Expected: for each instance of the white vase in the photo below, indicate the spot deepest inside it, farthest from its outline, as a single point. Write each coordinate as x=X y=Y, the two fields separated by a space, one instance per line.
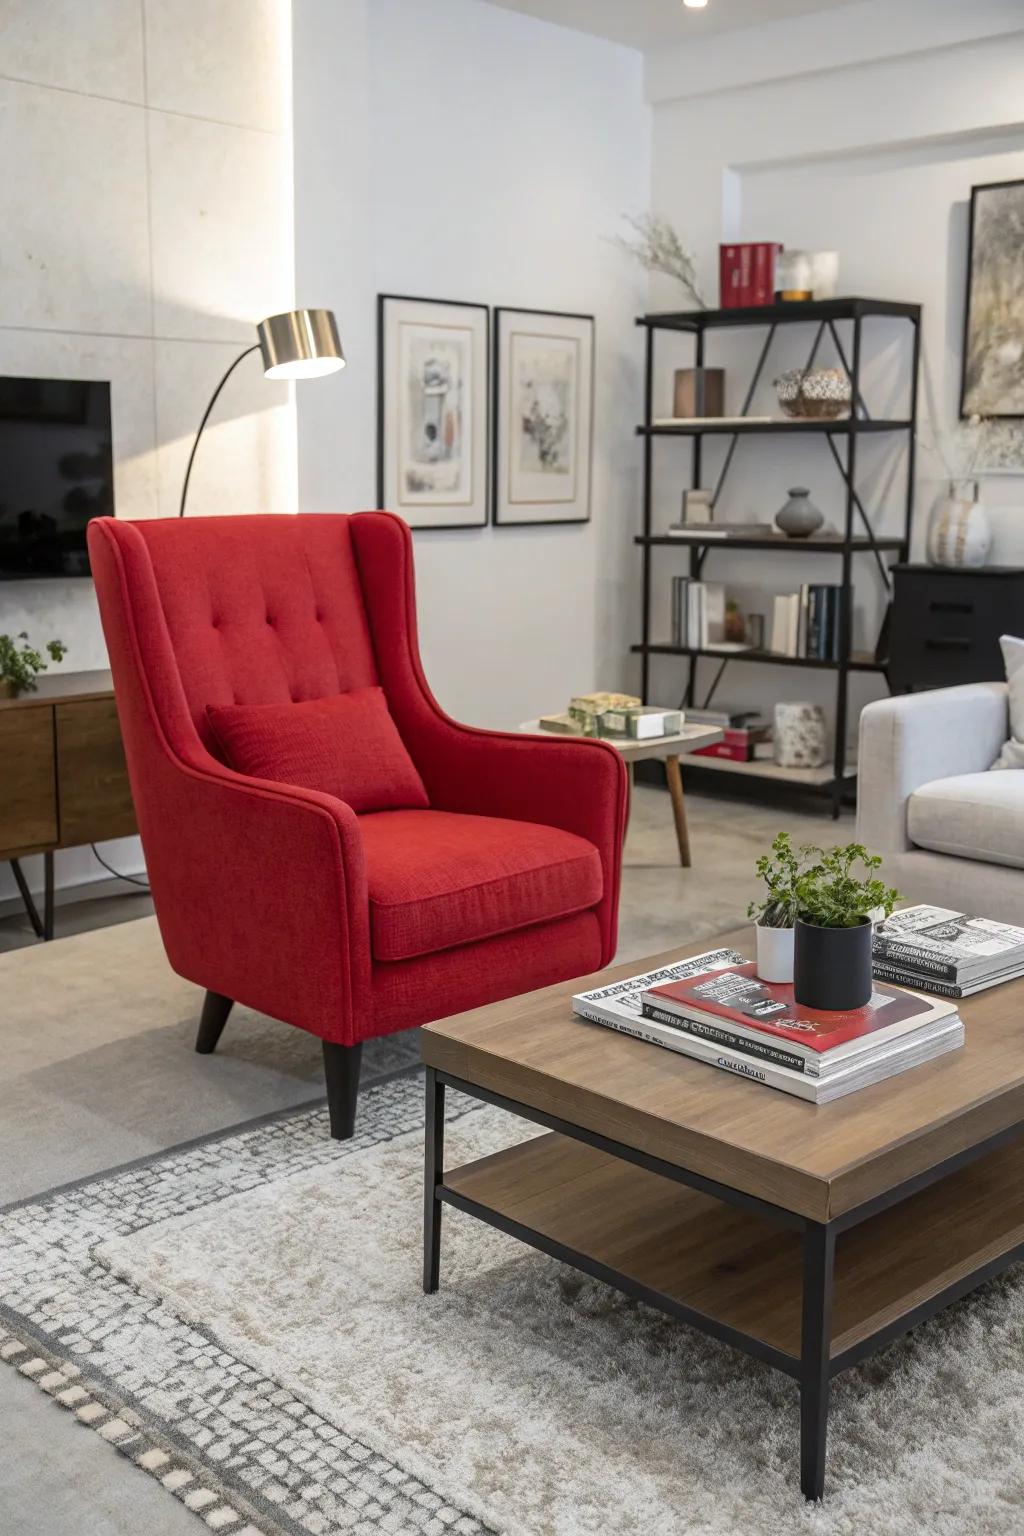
x=774 y=953
x=959 y=532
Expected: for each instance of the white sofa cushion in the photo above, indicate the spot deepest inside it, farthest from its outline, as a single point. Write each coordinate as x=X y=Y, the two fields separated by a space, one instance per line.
x=1012 y=755
x=972 y=815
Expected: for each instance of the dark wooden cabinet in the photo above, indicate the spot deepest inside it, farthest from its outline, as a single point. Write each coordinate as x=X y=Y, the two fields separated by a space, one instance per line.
x=945 y=624
x=63 y=778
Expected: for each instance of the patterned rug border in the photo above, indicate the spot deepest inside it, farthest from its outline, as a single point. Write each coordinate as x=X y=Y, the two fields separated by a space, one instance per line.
x=121 y=1422
x=237 y=1128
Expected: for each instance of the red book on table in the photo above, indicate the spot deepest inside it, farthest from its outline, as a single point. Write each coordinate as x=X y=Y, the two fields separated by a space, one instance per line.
x=738 y=1001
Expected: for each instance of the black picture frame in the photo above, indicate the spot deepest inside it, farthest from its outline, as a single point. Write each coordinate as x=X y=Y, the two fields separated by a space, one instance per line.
x=383 y=299
x=496 y=423
x=967 y=408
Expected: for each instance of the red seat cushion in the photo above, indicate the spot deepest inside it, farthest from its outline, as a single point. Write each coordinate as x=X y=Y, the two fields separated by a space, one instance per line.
x=437 y=879
x=346 y=745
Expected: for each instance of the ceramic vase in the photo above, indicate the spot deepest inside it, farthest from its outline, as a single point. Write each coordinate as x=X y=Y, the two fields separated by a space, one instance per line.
x=832 y=966
x=799 y=517
x=774 y=953
x=959 y=532
x=800 y=738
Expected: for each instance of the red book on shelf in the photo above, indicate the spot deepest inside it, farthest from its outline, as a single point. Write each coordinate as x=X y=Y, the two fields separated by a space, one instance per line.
x=728 y=276
x=736 y=752
x=737 y=999
x=746 y=275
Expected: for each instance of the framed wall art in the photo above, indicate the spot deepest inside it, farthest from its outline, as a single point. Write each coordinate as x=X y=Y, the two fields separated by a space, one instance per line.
x=993 y=362
x=432 y=411
x=543 y=416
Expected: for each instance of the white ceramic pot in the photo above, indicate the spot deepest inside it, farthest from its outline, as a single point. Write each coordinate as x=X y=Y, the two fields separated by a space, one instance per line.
x=959 y=532
x=774 y=953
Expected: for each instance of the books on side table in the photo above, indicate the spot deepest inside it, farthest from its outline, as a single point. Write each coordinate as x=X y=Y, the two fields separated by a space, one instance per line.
x=716 y=1009
x=946 y=952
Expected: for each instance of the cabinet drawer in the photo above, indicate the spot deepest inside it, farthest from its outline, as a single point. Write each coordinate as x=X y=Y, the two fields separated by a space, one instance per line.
x=946 y=626
x=28 y=793
x=95 y=798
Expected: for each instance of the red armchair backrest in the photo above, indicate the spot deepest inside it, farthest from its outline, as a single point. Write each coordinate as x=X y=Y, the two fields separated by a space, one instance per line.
x=257 y=610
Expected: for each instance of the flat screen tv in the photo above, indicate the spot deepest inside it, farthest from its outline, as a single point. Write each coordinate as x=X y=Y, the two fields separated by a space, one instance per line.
x=56 y=471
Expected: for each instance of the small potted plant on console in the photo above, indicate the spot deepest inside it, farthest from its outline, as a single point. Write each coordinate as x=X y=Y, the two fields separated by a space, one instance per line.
x=839 y=898
x=20 y=665
x=775 y=915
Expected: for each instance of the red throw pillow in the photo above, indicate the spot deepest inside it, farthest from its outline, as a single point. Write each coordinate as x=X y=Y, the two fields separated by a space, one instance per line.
x=346 y=745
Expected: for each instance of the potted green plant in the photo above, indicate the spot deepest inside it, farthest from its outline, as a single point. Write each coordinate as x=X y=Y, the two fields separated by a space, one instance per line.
x=776 y=913
x=839 y=898
x=20 y=665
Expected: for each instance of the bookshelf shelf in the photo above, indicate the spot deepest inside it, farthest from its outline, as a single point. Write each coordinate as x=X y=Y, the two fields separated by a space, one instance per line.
x=814 y=779
x=792 y=313
x=732 y=428
x=857 y=661
x=832 y=544
x=841 y=439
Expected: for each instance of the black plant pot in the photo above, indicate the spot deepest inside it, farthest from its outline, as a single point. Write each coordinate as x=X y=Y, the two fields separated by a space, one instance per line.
x=832 y=966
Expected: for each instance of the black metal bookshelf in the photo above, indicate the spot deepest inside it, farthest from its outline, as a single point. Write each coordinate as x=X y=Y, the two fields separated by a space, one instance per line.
x=826 y=315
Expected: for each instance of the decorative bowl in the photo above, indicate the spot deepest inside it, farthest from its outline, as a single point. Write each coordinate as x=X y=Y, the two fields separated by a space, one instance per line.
x=824 y=394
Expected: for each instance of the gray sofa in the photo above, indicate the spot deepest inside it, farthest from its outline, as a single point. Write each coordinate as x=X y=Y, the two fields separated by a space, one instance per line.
x=951 y=831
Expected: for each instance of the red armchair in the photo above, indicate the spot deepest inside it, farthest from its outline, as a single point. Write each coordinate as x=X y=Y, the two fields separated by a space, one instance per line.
x=282 y=898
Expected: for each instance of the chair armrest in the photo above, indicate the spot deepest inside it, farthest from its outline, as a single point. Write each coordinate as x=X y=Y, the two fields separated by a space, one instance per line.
x=914 y=738
x=260 y=893
x=578 y=786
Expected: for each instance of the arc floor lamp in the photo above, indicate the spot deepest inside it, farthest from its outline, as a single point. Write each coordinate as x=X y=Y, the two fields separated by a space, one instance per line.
x=300 y=344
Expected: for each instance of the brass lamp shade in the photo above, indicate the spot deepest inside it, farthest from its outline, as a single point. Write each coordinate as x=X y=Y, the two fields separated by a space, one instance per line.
x=301 y=344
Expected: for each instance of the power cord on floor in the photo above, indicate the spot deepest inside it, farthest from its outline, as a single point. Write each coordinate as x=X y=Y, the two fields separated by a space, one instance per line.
x=131 y=879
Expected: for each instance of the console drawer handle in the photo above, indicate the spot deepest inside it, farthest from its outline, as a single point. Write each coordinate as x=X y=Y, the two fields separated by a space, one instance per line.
x=947 y=645
x=951 y=607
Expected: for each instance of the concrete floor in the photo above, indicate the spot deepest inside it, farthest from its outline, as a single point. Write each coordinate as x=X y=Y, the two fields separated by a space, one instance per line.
x=99 y=1069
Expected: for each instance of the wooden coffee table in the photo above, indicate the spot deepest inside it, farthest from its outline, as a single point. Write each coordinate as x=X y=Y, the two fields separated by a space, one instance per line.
x=807 y=1235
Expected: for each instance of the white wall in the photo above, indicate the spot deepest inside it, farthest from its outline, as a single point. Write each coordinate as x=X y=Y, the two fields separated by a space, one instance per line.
x=145 y=210
x=809 y=134
x=461 y=151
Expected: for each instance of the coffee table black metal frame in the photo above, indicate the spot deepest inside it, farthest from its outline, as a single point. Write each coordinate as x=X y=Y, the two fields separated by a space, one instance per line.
x=815 y=1366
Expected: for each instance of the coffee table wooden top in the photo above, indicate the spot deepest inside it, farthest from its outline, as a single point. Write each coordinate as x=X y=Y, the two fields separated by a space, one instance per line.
x=817 y=1160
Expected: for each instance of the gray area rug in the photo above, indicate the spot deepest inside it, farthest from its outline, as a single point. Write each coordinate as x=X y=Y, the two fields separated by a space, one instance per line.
x=243 y=1319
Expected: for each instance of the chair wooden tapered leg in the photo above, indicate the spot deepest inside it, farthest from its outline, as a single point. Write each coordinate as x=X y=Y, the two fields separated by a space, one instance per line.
x=211 y=1023
x=341 y=1070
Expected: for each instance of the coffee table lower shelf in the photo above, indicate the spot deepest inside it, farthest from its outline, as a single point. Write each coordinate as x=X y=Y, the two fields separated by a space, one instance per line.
x=810 y=1298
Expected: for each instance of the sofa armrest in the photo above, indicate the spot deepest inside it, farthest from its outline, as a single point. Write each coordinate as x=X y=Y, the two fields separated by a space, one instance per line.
x=914 y=738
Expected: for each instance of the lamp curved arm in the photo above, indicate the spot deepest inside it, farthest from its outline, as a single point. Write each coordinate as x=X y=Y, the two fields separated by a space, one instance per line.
x=206 y=416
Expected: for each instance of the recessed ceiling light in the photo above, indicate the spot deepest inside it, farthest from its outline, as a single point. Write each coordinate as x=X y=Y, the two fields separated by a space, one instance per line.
x=695 y=5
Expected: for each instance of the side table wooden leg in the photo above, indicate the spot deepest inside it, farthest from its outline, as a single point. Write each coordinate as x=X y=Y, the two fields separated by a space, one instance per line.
x=675 y=789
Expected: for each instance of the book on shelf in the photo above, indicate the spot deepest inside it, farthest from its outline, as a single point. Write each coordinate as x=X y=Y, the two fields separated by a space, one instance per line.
x=938 y=944
x=738 y=742
x=712 y=421
x=808 y=623
x=724 y=718
x=697 y=530
x=698 y=614
x=621 y=1006
x=746 y=273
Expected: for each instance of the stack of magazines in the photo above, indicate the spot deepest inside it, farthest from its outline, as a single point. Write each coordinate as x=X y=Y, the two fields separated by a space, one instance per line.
x=715 y=1008
x=947 y=952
